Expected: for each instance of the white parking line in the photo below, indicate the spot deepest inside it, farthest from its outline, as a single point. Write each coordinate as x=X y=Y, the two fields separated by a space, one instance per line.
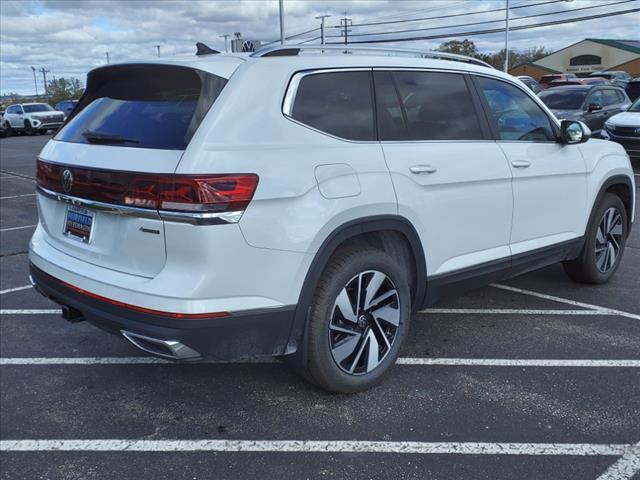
x=16 y=228
x=31 y=312
x=603 y=310
x=510 y=311
x=18 y=196
x=416 y=361
x=15 y=289
x=625 y=468
x=317 y=446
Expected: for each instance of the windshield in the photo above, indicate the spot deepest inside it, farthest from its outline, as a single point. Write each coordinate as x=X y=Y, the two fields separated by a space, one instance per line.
x=38 y=107
x=563 y=100
x=147 y=106
x=635 y=106
x=603 y=75
x=549 y=78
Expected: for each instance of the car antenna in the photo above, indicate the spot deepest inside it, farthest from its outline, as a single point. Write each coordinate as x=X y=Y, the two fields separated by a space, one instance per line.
x=203 y=49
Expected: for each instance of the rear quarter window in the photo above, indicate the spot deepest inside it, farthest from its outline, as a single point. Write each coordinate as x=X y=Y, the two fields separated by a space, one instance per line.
x=145 y=106
x=338 y=103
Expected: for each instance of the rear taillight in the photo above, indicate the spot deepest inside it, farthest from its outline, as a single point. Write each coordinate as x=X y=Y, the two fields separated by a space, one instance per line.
x=165 y=192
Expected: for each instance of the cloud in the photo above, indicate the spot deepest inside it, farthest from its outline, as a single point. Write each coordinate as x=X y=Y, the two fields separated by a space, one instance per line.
x=70 y=37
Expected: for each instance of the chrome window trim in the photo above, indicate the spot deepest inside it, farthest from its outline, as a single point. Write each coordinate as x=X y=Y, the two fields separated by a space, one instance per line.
x=193 y=218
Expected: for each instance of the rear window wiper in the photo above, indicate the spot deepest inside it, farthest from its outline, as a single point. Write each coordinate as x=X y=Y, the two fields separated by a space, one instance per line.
x=98 y=137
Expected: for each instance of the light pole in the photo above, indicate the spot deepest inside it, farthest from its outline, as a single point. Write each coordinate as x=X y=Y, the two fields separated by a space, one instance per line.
x=158 y=48
x=281 y=4
x=506 y=40
x=321 y=18
x=107 y=54
x=35 y=82
x=225 y=36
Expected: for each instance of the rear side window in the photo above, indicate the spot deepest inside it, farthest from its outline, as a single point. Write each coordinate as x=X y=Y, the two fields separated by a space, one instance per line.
x=425 y=106
x=146 y=106
x=338 y=103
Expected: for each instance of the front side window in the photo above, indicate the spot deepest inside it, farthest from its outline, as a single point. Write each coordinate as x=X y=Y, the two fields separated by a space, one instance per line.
x=338 y=103
x=516 y=115
x=425 y=106
x=610 y=97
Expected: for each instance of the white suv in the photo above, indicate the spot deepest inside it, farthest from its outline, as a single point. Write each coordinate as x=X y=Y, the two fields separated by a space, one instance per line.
x=300 y=203
x=31 y=118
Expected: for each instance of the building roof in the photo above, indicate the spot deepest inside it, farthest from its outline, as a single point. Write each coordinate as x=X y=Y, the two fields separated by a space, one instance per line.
x=535 y=65
x=628 y=45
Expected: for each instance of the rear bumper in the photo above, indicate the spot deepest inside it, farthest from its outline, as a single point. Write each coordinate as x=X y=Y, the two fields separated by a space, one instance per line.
x=242 y=334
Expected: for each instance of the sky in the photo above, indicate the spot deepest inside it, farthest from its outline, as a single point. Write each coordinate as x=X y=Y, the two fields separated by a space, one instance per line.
x=70 y=37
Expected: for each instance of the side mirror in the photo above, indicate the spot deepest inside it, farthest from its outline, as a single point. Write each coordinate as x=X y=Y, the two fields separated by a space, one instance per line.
x=594 y=107
x=572 y=132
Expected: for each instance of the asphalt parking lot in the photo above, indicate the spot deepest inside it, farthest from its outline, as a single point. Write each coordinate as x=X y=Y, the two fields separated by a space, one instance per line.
x=536 y=378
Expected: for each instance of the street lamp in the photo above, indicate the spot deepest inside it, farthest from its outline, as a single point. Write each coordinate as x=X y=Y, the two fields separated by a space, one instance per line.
x=35 y=82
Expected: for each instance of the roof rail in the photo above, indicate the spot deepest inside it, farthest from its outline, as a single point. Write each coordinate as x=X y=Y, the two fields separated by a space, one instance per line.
x=292 y=50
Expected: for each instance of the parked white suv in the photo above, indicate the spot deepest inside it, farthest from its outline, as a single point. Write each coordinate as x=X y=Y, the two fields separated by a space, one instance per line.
x=300 y=203
x=31 y=118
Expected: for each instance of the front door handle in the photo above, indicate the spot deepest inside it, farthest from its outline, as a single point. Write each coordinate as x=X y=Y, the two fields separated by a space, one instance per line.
x=418 y=169
x=521 y=163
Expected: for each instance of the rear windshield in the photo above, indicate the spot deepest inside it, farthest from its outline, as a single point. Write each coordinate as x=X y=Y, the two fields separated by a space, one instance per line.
x=563 y=99
x=37 y=107
x=549 y=78
x=145 y=106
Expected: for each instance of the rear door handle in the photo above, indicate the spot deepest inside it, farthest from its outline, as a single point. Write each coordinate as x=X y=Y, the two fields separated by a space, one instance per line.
x=521 y=163
x=418 y=169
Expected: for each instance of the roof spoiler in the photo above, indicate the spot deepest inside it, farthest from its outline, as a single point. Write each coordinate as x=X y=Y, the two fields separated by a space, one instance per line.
x=202 y=49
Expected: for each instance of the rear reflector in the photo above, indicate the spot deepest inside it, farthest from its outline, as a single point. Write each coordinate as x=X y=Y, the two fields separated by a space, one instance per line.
x=171 y=192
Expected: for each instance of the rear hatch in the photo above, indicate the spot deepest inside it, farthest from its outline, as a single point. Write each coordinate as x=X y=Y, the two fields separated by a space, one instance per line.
x=99 y=178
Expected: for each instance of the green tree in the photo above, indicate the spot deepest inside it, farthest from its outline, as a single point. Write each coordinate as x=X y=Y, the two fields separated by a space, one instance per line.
x=64 y=89
x=464 y=47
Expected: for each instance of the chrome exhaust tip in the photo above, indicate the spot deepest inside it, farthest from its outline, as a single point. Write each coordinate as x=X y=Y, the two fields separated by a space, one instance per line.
x=163 y=348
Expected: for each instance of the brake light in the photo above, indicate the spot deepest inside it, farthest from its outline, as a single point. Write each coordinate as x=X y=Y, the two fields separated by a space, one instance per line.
x=172 y=192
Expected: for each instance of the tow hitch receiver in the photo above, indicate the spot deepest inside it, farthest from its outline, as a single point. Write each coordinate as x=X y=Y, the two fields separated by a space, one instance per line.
x=71 y=314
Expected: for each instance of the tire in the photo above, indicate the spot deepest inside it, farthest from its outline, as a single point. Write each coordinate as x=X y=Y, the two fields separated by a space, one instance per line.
x=8 y=131
x=28 y=128
x=342 y=338
x=605 y=239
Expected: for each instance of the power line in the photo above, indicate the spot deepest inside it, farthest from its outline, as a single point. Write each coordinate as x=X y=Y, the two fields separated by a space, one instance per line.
x=452 y=15
x=498 y=30
x=484 y=22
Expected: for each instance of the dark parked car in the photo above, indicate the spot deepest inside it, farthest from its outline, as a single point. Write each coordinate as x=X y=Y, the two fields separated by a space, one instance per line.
x=530 y=82
x=617 y=77
x=547 y=79
x=66 y=106
x=633 y=89
x=580 y=81
x=591 y=104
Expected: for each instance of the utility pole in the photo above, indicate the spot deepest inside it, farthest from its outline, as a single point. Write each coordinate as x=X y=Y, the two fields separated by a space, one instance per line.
x=345 y=22
x=506 y=40
x=321 y=18
x=107 y=54
x=281 y=4
x=225 y=36
x=44 y=78
x=158 y=48
x=35 y=82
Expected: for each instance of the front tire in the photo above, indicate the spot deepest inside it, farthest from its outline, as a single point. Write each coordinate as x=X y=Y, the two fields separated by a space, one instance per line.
x=605 y=239
x=28 y=128
x=8 y=131
x=358 y=320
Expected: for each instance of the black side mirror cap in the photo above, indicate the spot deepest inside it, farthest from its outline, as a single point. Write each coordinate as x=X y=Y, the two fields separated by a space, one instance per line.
x=594 y=107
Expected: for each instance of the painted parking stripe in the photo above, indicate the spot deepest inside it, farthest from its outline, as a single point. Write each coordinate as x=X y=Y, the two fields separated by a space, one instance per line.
x=18 y=196
x=17 y=228
x=318 y=446
x=419 y=361
x=510 y=311
x=625 y=468
x=531 y=293
x=15 y=289
x=45 y=311
x=17 y=175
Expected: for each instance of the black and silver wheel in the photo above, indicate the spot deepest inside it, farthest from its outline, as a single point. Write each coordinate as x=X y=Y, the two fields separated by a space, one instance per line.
x=359 y=317
x=604 y=244
x=8 y=131
x=28 y=128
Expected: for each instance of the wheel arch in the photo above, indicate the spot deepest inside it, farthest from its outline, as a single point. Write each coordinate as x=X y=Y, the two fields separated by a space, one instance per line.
x=622 y=186
x=342 y=235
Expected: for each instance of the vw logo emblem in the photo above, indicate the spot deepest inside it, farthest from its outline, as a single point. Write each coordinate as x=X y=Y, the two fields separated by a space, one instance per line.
x=67 y=181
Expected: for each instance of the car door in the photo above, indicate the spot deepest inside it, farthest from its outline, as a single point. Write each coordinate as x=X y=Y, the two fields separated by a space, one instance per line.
x=594 y=114
x=16 y=117
x=9 y=114
x=451 y=180
x=549 y=178
x=612 y=103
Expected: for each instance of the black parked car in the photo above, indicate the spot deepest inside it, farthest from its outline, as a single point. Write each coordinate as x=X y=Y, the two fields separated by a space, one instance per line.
x=633 y=89
x=591 y=104
x=66 y=106
x=617 y=77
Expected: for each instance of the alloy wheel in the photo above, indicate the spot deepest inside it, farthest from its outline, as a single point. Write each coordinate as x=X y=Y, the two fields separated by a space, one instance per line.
x=608 y=240
x=364 y=322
